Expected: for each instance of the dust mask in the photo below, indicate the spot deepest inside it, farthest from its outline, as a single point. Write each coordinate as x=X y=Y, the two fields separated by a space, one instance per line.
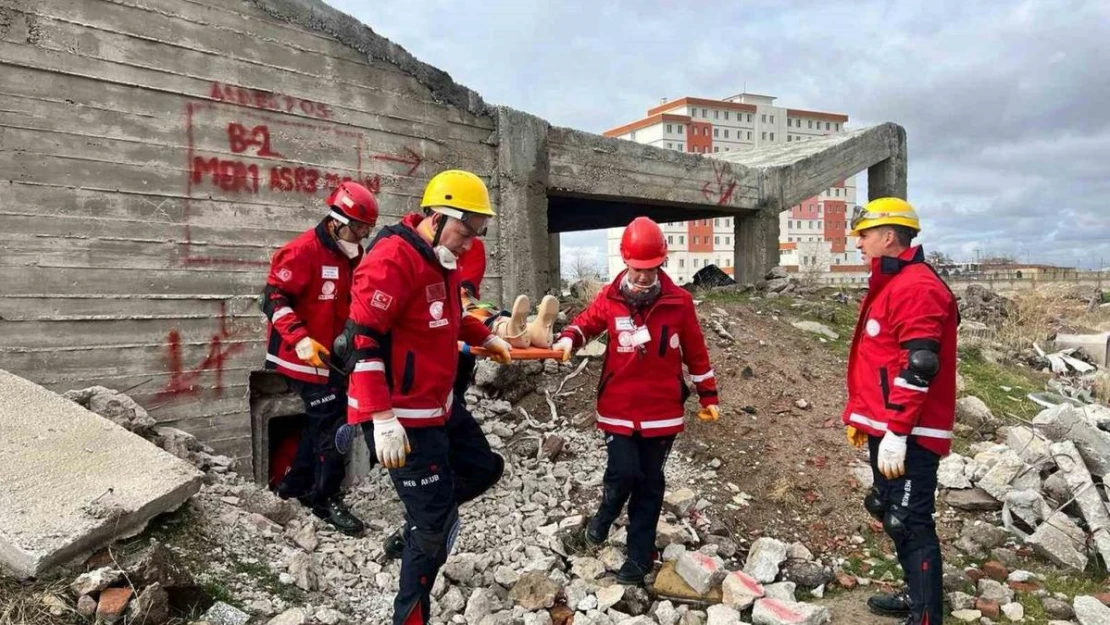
x=348 y=248
x=447 y=258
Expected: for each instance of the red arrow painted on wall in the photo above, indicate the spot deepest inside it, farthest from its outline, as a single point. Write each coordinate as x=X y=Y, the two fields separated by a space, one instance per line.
x=408 y=158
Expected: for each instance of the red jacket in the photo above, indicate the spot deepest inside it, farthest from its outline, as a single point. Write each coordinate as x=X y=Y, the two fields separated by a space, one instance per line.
x=412 y=309
x=472 y=268
x=308 y=294
x=641 y=387
x=906 y=303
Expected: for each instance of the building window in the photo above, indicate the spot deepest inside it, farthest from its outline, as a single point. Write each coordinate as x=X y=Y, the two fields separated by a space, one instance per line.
x=764 y=135
x=682 y=239
x=749 y=135
x=726 y=133
x=828 y=126
x=716 y=132
x=726 y=116
x=670 y=239
x=772 y=119
x=749 y=118
x=772 y=136
x=789 y=138
x=764 y=118
x=680 y=127
x=705 y=113
x=726 y=149
x=716 y=148
x=838 y=126
x=670 y=129
x=789 y=223
x=716 y=114
x=810 y=123
x=681 y=263
x=810 y=224
x=727 y=241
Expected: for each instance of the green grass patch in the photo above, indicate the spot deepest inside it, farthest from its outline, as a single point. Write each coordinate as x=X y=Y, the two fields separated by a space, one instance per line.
x=988 y=381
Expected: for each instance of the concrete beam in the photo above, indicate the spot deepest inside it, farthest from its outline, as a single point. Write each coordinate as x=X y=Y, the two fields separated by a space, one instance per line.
x=795 y=171
x=521 y=184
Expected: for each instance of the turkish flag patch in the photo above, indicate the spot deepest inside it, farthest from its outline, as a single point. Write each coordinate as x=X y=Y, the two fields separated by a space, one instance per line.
x=381 y=300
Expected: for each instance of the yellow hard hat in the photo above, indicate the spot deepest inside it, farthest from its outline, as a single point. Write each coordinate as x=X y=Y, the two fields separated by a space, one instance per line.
x=457 y=189
x=885 y=211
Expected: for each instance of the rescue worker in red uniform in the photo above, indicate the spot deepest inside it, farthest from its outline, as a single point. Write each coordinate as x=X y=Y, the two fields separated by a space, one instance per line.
x=406 y=320
x=902 y=398
x=306 y=301
x=654 y=331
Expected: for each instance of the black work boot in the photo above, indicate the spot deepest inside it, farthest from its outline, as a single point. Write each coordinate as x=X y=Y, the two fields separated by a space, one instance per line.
x=895 y=604
x=595 y=533
x=394 y=545
x=632 y=573
x=336 y=513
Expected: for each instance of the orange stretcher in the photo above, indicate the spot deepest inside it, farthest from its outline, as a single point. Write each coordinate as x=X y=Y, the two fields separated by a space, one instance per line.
x=526 y=353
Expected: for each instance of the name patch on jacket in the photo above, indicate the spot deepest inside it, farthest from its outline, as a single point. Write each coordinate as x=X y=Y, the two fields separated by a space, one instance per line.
x=330 y=273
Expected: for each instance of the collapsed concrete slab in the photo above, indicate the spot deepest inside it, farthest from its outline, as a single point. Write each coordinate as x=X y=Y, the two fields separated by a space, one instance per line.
x=1068 y=423
x=1087 y=496
x=73 y=480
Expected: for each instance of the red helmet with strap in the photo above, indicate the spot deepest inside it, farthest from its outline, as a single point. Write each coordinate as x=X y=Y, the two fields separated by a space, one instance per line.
x=352 y=201
x=643 y=245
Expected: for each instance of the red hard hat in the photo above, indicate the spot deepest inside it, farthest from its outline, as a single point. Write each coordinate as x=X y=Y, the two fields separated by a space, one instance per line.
x=643 y=245
x=351 y=200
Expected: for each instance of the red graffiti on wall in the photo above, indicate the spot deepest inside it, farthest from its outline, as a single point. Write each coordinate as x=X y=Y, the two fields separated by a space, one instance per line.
x=185 y=381
x=249 y=157
x=720 y=189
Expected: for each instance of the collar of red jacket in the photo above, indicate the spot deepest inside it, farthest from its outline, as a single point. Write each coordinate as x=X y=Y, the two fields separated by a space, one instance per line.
x=884 y=268
x=328 y=241
x=668 y=290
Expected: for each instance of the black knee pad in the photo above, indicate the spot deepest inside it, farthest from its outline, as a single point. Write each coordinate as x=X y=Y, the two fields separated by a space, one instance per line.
x=875 y=505
x=894 y=524
x=437 y=543
x=498 y=470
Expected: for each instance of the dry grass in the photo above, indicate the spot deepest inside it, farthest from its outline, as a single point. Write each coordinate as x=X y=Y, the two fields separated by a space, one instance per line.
x=782 y=491
x=22 y=604
x=1036 y=316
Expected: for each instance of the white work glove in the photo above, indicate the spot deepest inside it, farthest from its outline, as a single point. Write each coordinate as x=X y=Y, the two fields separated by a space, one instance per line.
x=892 y=456
x=500 y=349
x=390 y=440
x=564 y=345
x=310 y=351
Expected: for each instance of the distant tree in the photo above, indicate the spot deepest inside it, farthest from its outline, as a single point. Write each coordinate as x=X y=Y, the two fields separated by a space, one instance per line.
x=938 y=258
x=1001 y=259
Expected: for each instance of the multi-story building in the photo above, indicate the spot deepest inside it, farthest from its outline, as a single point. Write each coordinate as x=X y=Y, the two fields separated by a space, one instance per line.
x=813 y=235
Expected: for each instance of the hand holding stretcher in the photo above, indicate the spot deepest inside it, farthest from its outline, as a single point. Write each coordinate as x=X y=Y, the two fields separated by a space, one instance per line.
x=518 y=353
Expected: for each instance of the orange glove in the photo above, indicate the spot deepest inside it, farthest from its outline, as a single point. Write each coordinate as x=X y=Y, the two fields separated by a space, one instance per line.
x=857 y=438
x=310 y=351
x=709 y=413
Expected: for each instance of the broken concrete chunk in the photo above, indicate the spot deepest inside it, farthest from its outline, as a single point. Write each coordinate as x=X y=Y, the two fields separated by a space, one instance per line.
x=997 y=480
x=59 y=462
x=775 y=612
x=680 y=501
x=699 y=571
x=951 y=472
x=783 y=591
x=1087 y=496
x=1060 y=540
x=535 y=591
x=723 y=615
x=972 y=500
x=95 y=581
x=1091 y=611
x=971 y=411
x=1066 y=422
x=741 y=590
x=1026 y=444
x=765 y=558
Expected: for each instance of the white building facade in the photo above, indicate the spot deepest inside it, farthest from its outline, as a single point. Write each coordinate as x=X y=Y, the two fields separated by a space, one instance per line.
x=813 y=240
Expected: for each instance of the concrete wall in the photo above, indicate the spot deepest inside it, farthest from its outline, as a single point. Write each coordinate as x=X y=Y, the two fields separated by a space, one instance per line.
x=1012 y=285
x=154 y=154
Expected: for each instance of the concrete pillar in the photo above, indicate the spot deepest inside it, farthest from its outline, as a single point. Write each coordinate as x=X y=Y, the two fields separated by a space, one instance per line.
x=888 y=178
x=554 y=264
x=521 y=181
x=757 y=245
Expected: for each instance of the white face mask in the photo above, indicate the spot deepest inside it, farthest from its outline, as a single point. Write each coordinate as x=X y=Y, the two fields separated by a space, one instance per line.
x=447 y=258
x=640 y=288
x=350 y=249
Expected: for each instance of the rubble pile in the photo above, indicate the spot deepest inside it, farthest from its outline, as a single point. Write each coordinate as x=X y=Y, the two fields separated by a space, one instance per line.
x=1047 y=480
x=978 y=303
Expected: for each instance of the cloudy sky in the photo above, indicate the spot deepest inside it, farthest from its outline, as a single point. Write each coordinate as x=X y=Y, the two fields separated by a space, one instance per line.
x=1005 y=103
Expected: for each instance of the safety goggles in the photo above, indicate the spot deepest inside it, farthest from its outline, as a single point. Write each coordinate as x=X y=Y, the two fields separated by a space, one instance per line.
x=463 y=218
x=860 y=215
